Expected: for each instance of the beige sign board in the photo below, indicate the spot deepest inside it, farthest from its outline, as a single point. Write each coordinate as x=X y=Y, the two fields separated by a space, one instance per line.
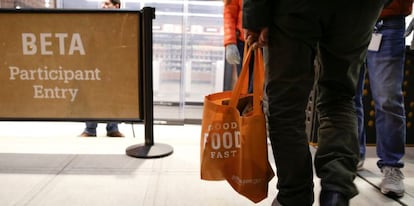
x=69 y=65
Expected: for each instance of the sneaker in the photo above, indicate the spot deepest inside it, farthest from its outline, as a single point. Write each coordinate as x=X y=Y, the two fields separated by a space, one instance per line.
x=392 y=183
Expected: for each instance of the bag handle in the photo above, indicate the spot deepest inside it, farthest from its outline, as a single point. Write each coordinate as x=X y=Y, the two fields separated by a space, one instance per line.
x=258 y=79
x=245 y=82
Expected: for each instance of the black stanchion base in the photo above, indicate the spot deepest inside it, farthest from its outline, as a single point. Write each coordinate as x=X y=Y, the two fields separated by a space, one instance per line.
x=156 y=150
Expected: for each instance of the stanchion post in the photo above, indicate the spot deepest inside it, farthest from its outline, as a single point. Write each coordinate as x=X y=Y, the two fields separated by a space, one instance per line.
x=149 y=149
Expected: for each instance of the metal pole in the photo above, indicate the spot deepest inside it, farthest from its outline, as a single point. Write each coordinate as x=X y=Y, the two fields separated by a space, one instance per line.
x=149 y=149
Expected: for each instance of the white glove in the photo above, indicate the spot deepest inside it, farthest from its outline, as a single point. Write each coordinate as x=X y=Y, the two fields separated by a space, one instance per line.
x=232 y=54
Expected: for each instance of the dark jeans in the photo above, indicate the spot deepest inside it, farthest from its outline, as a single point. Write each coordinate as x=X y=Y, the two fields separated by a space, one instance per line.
x=340 y=33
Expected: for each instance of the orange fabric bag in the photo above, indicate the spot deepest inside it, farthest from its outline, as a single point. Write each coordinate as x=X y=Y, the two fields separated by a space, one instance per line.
x=233 y=144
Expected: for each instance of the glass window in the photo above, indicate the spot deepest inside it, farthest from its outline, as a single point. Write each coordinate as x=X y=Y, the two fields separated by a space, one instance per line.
x=132 y=5
x=188 y=61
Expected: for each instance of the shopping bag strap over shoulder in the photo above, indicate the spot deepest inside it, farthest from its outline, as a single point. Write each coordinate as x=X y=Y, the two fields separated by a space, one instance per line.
x=258 y=79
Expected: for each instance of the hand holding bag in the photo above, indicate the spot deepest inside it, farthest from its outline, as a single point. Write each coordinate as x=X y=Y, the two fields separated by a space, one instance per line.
x=233 y=144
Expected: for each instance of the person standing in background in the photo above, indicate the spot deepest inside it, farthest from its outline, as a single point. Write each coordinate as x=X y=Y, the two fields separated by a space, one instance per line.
x=385 y=66
x=234 y=37
x=295 y=32
x=111 y=127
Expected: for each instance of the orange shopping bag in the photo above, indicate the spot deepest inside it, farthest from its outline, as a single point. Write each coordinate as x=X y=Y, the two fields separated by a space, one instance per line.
x=233 y=144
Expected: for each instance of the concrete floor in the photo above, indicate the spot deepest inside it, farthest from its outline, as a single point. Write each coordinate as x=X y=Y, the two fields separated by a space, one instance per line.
x=46 y=164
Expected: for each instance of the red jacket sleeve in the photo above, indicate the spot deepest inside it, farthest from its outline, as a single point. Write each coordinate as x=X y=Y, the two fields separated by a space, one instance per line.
x=397 y=8
x=232 y=21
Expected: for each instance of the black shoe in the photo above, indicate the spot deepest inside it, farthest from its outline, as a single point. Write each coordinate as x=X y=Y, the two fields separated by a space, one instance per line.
x=330 y=198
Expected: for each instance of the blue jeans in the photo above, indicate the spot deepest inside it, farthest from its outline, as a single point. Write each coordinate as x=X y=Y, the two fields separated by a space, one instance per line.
x=386 y=73
x=91 y=127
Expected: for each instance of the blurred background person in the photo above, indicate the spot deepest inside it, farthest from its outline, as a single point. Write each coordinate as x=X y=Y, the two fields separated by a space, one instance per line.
x=111 y=127
x=234 y=36
x=385 y=67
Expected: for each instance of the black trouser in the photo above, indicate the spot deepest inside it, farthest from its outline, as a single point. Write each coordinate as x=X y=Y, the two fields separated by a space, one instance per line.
x=340 y=31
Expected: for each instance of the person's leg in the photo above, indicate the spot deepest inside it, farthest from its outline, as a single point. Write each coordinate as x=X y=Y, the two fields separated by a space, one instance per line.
x=112 y=130
x=289 y=81
x=112 y=127
x=359 y=106
x=343 y=48
x=240 y=47
x=338 y=149
x=90 y=130
x=386 y=75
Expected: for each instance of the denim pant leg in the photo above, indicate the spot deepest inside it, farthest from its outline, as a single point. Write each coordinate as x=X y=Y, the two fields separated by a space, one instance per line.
x=112 y=127
x=91 y=127
x=386 y=73
x=359 y=106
